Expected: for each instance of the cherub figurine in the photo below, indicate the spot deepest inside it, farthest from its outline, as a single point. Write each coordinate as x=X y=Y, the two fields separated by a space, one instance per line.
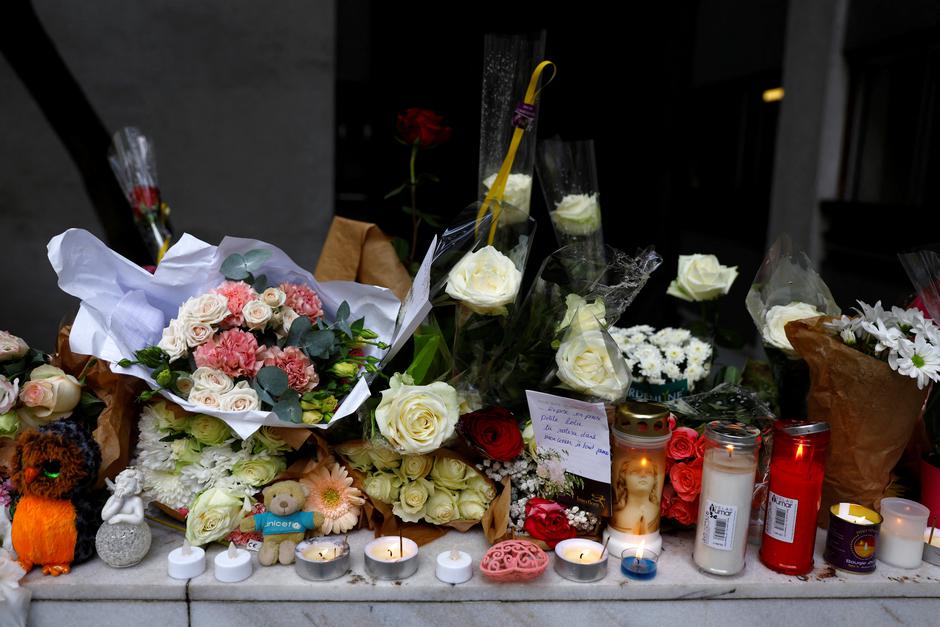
x=124 y=505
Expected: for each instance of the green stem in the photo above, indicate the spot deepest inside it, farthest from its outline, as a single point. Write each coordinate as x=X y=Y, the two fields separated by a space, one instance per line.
x=413 y=187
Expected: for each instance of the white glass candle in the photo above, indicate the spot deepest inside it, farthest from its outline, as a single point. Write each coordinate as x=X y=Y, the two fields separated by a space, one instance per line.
x=186 y=562
x=233 y=564
x=454 y=566
x=901 y=540
x=725 y=502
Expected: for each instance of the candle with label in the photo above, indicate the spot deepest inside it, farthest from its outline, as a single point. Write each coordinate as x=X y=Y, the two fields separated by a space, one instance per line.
x=727 y=491
x=796 y=477
x=901 y=541
x=852 y=537
x=186 y=562
x=233 y=564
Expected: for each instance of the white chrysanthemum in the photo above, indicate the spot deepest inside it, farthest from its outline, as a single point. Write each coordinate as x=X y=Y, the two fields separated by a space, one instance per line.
x=166 y=488
x=674 y=353
x=698 y=351
x=157 y=456
x=640 y=329
x=888 y=336
x=672 y=370
x=694 y=373
x=919 y=360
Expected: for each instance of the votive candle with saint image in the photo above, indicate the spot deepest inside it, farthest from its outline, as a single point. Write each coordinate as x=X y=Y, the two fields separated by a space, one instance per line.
x=730 y=464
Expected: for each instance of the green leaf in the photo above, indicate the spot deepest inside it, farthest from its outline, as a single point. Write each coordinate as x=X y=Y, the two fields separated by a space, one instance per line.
x=318 y=344
x=262 y=393
x=89 y=400
x=235 y=268
x=152 y=357
x=254 y=259
x=173 y=436
x=272 y=379
x=342 y=313
x=408 y=211
x=424 y=358
x=431 y=219
x=396 y=191
x=401 y=248
x=288 y=409
x=260 y=283
x=298 y=328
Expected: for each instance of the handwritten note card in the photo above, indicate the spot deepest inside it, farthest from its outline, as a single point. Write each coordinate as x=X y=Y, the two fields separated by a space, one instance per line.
x=576 y=429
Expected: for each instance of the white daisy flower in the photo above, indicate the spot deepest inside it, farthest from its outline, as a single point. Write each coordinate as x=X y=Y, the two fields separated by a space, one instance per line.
x=918 y=359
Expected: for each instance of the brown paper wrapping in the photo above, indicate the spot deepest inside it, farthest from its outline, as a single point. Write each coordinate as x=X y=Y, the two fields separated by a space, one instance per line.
x=116 y=428
x=871 y=411
x=360 y=251
x=378 y=516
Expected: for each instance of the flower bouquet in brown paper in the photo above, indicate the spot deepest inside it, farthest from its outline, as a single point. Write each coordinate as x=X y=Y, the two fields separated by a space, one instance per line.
x=869 y=379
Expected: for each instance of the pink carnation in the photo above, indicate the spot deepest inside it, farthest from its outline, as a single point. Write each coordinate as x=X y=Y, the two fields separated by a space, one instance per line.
x=303 y=300
x=238 y=294
x=234 y=352
x=301 y=375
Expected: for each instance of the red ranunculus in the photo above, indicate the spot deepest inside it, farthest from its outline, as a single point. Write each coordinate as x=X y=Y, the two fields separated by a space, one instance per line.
x=422 y=127
x=684 y=512
x=546 y=521
x=682 y=444
x=686 y=479
x=494 y=431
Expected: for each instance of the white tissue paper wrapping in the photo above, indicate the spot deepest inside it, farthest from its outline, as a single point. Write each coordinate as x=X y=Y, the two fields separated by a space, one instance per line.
x=125 y=308
x=14 y=598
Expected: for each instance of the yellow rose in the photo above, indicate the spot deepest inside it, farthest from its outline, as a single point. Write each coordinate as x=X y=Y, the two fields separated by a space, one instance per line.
x=449 y=473
x=213 y=515
x=442 y=507
x=382 y=486
x=472 y=504
x=416 y=466
x=412 y=500
x=209 y=430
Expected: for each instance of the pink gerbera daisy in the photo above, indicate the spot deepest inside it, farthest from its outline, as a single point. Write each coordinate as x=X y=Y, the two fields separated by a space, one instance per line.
x=331 y=493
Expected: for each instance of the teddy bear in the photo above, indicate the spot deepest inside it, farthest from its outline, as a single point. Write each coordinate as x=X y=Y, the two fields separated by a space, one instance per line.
x=284 y=523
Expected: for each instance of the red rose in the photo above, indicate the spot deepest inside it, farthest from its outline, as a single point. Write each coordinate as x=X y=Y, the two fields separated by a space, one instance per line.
x=422 y=127
x=686 y=479
x=494 y=431
x=682 y=444
x=684 y=512
x=546 y=521
x=700 y=448
x=669 y=495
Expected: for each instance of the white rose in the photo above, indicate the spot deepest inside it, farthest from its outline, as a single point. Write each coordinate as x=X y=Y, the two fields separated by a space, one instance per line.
x=11 y=347
x=577 y=214
x=212 y=380
x=485 y=281
x=240 y=399
x=701 y=277
x=518 y=192
x=257 y=314
x=576 y=305
x=208 y=308
x=197 y=332
x=206 y=398
x=273 y=297
x=777 y=318
x=173 y=341
x=417 y=419
x=586 y=365
x=288 y=316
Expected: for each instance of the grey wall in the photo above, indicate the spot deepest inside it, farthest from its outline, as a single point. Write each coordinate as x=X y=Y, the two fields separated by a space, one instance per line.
x=238 y=96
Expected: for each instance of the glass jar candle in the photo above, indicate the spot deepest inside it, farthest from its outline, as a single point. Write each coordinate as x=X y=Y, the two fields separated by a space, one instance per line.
x=797 y=467
x=725 y=502
x=901 y=538
x=638 y=459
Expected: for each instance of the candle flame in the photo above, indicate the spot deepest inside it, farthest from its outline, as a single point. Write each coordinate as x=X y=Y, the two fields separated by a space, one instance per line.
x=454 y=554
x=799 y=451
x=187 y=548
x=643 y=462
x=232 y=551
x=730 y=449
x=639 y=551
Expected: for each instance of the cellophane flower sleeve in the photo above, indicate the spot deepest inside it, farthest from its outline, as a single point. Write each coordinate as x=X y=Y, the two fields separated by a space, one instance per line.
x=923 y=269
x=508 y=62
x=134 y=161
x=568 y=174
x=787 y=288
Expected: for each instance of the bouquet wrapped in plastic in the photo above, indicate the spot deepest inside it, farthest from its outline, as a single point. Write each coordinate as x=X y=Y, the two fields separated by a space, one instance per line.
x=787 y=288
x=134 y=162
x=237 y=331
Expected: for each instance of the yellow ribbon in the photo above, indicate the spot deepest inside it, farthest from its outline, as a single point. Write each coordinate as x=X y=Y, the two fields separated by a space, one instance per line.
x=498 y=188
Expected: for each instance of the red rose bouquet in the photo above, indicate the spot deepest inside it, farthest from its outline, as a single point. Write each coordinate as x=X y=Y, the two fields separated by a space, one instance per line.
x=547 y=521
x=494 y=431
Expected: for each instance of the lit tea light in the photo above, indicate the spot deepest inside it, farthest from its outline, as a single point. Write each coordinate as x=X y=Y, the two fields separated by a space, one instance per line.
x=454 y=566
x=233 y=564
x=186 y=562
x=580 y=560
x=639 y=563
x=322 y=559
x=391 y=557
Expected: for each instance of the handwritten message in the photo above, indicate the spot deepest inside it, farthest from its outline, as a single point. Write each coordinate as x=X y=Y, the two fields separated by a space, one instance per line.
x=576 y=429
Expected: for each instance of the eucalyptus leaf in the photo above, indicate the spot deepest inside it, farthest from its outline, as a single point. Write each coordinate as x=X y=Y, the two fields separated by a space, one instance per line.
x=262 y=393
x=272 y=379
x=298 y=328
x=260 y=283
x=235 y=267
x=318 y=344
x=254 y=259
x=288 y=409
x=342 y=312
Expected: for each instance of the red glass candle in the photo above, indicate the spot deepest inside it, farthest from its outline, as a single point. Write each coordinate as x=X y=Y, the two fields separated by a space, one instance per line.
x=797 y=466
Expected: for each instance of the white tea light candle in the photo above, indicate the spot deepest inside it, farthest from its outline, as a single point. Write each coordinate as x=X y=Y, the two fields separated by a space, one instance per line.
x=391 y=557
x=322 y=559
x=454 y=566
x=901 y=541
x=580 y=560
x=186 y=562
x=232 y=564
